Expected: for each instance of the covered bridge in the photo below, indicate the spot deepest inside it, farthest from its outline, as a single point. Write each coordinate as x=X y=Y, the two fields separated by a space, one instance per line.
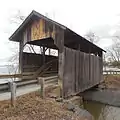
x=78 y=62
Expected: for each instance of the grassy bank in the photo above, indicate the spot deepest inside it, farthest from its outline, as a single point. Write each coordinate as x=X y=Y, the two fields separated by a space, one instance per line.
x=32 y=107
x=112 y=81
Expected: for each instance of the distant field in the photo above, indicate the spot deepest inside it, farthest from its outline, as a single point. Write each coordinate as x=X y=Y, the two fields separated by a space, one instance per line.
x=5 y=70
x=112 y=81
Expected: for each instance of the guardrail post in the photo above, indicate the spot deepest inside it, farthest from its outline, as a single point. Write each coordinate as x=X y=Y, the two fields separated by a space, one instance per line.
x=42 y=84
x=13 y=93
x=61 y=87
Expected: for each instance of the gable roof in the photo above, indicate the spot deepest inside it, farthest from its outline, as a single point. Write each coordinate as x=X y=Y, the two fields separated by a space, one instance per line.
x=34 y=13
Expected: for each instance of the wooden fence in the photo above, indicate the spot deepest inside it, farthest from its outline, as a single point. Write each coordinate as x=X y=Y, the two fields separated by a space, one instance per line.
x=81 y=71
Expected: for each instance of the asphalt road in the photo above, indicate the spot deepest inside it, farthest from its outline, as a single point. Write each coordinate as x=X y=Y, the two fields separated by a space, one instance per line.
x=20 y=91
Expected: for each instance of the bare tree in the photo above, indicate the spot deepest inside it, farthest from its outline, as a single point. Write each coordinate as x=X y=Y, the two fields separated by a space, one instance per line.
x=16 y=19
x=113 y=52
x=92 y=37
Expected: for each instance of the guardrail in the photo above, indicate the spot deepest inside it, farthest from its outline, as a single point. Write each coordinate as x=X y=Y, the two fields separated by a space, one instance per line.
x=48 y=80
x=111 y=72
x=12 y=86
x=18 y=75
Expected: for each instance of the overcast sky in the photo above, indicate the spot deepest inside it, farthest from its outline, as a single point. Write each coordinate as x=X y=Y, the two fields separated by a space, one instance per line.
x=100 y=16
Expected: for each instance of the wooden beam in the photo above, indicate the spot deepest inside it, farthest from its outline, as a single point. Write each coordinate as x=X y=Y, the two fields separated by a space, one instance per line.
x=21 y=56
x=13 y=93
x=49 y=51
x=42 y=84
x=43 y=54
x=60 y=72
x=100 y=54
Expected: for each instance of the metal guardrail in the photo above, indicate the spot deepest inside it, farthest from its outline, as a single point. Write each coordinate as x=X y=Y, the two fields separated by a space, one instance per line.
x=48 y=80
x=5 y=86
x=111 y=72
x=18 y=75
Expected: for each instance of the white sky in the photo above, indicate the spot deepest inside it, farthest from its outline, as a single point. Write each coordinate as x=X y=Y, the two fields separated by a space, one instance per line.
x=101 y=16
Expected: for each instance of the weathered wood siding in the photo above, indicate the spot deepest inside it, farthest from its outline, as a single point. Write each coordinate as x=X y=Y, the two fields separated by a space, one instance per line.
x=41 y=29
x=59 y=38
x=81 y=71
x=32 y=62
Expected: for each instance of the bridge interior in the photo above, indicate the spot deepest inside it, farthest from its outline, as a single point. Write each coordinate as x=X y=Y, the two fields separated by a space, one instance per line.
x=47 y=58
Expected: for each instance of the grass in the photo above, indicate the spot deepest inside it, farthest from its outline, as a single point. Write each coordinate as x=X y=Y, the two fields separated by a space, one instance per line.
x=112 y=81
x=32 y=107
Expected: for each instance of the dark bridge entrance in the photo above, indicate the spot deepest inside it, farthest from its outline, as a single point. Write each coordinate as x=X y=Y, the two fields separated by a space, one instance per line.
x=32 y=61
x=78 y=62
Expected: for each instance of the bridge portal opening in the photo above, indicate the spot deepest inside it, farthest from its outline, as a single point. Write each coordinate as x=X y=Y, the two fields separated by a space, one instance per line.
x=42 y=53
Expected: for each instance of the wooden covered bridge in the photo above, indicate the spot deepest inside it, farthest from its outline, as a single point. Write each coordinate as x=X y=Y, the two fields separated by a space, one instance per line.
x=78 y=62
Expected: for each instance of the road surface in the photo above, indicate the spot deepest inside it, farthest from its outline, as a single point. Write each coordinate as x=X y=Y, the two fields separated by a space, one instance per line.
x=20 y=91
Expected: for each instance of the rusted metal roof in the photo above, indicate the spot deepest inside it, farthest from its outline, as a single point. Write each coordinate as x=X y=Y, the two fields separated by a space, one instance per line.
x=35 y=14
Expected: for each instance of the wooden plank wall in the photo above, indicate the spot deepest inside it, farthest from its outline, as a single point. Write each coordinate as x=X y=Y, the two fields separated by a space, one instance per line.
x=41 y=29
x=32 y=62
x=38 y=29
x=81 y=71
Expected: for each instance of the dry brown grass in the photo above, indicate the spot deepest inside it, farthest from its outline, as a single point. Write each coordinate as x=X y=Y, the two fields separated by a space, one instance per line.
x=112 y=81
x=32 y=107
